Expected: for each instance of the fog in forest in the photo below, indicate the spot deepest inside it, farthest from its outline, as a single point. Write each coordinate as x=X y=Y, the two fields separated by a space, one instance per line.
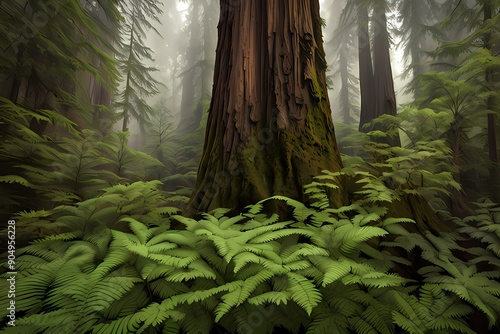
x=150 y=72
x=249 y=166
x=175 y=50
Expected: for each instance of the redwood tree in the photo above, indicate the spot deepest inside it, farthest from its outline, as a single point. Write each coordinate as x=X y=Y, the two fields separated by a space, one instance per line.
x=385 y=98
x=366 y=78
x=269 y=127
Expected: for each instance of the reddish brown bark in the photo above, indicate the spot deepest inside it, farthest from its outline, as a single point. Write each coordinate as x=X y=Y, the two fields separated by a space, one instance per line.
x=385 y=98
x=269 y=127
x=366 y=79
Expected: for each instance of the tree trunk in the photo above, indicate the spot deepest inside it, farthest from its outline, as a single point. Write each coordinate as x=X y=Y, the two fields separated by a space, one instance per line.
x=418 y=17
x=491 y=105
x=345 y=104
x=366 y=78
x=191 y=87
x=385 y=97
x=209 y=18
x=126 y=111
x=269 y=127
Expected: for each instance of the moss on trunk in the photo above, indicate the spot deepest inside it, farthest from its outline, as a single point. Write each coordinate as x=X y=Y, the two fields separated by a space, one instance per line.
x=269 y=128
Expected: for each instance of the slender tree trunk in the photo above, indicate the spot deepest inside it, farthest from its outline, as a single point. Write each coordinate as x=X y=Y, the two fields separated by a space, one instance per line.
x=459 y=203
x=344 y=102
x=269 y=127
x=417 y=16
x=99 y=93
x=385 y=97
x=366 y=78
x=126 y=98
x=492 y=138
x=417 y=20
x=208 y=50
x=190 y=114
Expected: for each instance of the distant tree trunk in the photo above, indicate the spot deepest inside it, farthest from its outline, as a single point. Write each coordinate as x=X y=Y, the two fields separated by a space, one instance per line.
x=459 y=204
x=418 y=18
x=126 y=115
x=491 y=105
x=191 y=87
x=345 y=103
x=127 y=97
x=269 y=127
x=100 y=94
x=385 y=97
x=366 y=78
x=209 y=18
x=27 y=85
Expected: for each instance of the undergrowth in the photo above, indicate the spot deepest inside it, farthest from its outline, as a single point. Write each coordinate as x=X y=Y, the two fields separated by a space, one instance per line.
x=113 y=264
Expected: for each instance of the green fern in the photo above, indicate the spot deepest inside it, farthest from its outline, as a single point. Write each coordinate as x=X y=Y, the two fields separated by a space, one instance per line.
x=119 y=268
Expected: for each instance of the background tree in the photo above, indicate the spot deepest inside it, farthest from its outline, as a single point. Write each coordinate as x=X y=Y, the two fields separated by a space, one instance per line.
x=491 y=38
x=198 y=73
x=375 y=71
x=139 y=83
x=416 y=28
x=366 y=76
x=343 y=53
x=46 y=58
x=190 y=114
x=51 y=71
x=474 y=59
x=385 y=96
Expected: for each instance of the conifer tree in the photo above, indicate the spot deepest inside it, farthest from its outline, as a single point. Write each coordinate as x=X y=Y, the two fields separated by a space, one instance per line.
x=139 y=82
x=197 y=76
x=344 y=60
x=45 y=57
x=55 y=68
x=417 y=20
x=376 y=81
x=366 y=77
x=479 y=51
x=191 y=78
x=269 y=127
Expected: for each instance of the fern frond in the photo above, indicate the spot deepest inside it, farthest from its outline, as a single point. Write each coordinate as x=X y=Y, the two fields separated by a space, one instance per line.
x=242 y=293
x=274 y=297
x=195 y=269
x=138 y=322
x=349 y=236
x=303 y=292
x=324 y=321
x=300 y=211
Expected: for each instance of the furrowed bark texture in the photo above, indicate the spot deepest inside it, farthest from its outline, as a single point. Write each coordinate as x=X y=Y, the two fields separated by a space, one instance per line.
x=269 y=127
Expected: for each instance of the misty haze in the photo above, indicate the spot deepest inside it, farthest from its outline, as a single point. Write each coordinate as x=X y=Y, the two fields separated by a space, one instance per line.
x=249 y=166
